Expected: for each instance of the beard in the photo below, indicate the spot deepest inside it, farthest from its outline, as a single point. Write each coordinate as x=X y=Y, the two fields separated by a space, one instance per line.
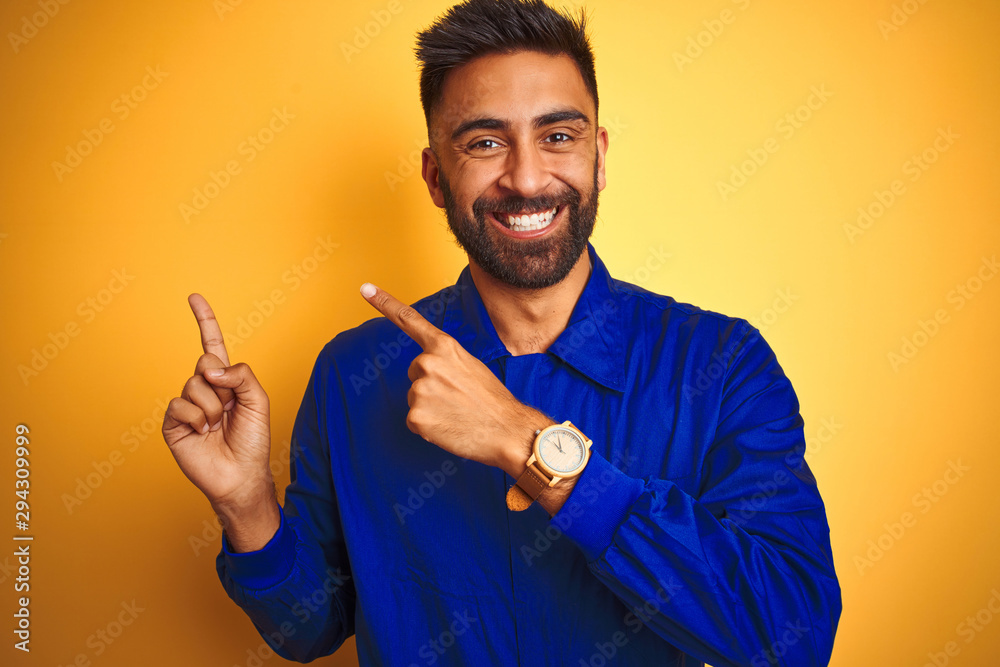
x=524 y=263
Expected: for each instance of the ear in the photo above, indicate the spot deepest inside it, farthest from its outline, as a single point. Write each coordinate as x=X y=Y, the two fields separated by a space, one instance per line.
x=602 y=150
x=430 y=170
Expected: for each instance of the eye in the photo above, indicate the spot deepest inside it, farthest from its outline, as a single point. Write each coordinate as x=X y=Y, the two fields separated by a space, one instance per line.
x=558 y=138
x=484 y=145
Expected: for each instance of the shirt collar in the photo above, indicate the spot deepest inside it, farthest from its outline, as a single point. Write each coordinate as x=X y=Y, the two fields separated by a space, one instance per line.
x=592 y=343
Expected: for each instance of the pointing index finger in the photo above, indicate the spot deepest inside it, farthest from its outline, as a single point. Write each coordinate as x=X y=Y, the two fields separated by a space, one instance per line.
x=211 y=334
x=403 y=316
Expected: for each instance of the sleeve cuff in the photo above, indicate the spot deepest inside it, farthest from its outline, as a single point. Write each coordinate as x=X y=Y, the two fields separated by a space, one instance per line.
x=597 y=506
x=266 y=567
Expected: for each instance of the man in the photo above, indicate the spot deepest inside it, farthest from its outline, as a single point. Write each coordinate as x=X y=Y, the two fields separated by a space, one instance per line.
x=549 y=466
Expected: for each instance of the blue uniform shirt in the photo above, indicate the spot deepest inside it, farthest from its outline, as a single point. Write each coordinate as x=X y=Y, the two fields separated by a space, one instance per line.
x=695 y=533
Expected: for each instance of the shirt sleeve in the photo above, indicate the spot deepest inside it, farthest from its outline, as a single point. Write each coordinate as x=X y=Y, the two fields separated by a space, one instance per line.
x=297 y=589
x=741 y=571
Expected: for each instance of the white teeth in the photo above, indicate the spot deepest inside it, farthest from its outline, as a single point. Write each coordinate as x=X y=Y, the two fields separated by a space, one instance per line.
x=525 y=223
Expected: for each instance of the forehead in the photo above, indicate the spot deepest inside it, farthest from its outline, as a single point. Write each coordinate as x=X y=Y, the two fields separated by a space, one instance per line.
x=513 y=87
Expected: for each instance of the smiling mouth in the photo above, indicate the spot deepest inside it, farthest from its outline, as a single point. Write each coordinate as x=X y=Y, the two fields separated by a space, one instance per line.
x=526 y=222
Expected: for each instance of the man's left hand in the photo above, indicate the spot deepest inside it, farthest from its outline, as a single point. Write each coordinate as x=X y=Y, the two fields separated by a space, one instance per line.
x=455 y=401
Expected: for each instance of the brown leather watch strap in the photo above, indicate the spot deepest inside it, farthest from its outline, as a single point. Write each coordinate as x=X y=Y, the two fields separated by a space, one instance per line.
x=518 y=500
x=528 y=487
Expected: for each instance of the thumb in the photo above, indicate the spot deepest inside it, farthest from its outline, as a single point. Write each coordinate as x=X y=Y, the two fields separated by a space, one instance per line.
x=243 y=382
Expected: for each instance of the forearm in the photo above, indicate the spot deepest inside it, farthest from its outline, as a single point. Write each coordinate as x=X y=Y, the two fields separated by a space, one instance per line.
x=296 y=587
x=250 y=522
x=517 y=450
x=300 y=604
x=712 y=588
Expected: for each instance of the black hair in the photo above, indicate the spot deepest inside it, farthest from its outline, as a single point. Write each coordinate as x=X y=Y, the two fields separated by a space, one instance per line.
x=477 y=28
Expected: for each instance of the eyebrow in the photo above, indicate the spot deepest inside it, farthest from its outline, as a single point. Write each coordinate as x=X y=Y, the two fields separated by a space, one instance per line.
x=489 y=123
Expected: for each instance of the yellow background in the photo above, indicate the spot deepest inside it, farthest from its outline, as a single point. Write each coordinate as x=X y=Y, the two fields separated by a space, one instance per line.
x=778 y=243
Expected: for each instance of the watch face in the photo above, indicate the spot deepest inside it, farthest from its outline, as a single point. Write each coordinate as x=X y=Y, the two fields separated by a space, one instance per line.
x=561 y=449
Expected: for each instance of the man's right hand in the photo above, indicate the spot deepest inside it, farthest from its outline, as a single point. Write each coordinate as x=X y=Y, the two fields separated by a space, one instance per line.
x=219 y=433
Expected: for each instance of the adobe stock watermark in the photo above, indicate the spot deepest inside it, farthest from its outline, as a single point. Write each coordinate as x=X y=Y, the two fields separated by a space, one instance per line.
x=787 y=637
x=103 y=637
x=121 y=108
x=30 y=25
x=656 y=259
x=899 y=17
x=373 y=367
x=783 y=301
x=210 y=535
x=432 y=650
x=88 y=310
x=584 y=495
x=615 y=127
x=248 y=149
x=705 y=377
x=294 y=277
x=785 y=127
x=583 y=333
x=635 y=620
x=7 y=569
x=363 y=35
x=283 y=461
x=412 y=163
x=828 y=428
x=223 y=7
x=137 y=434
x=791 y=634
x=958 y=297
x=704 y=39
x=417 y=497
x=102 y=469
x=303 y=609
x=715 y=370
x=749 y=506
x=914 y=167
x=923 y=502
x=967 y=630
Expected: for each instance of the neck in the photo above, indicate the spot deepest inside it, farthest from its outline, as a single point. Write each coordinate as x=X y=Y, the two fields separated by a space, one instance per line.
x=528 y=321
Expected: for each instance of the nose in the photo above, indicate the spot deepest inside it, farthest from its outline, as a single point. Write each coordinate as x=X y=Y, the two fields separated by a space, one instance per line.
x=526 y=172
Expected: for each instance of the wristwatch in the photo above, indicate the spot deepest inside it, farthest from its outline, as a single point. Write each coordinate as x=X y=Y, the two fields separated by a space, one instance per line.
x=560 y=452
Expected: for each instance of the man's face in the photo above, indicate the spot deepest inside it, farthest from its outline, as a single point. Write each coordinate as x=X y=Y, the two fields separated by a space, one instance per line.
x=517 y=164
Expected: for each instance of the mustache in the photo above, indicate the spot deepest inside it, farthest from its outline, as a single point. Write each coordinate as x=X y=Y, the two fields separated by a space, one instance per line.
x=514 y=204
